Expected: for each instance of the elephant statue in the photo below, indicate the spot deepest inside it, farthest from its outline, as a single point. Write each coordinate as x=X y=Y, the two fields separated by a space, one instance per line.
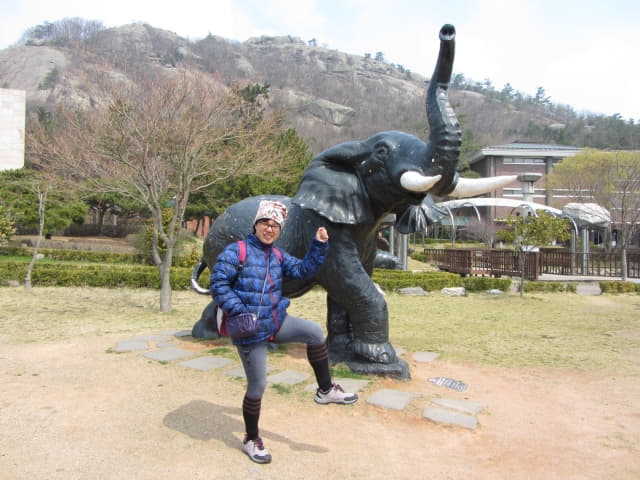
x=349 y=189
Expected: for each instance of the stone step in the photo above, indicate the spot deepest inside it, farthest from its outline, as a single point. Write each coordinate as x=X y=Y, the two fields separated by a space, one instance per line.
x=447 y=411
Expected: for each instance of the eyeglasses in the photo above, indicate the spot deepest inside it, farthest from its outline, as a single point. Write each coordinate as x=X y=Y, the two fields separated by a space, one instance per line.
x=265 y=224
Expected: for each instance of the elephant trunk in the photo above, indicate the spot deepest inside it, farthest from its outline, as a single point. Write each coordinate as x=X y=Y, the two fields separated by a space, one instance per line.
x=445 y=133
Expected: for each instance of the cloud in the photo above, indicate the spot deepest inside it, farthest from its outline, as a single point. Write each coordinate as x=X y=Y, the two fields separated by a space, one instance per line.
x=582 y=53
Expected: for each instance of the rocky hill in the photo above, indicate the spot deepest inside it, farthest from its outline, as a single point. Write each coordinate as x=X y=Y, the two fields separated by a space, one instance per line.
x=330 y=96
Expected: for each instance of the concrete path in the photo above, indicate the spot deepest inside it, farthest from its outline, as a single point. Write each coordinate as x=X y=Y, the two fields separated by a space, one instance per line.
x=165 y=348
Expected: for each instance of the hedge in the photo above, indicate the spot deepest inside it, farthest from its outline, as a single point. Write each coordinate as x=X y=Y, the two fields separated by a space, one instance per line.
x=95 y=256
x=619 y=287
x=433 y=281
x=548 y=287
x=482 y=284
x=96 y=275
x=77 y=255
x=141 y=276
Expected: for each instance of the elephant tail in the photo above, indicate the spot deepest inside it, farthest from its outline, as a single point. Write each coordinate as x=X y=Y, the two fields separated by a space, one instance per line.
x=197 y=271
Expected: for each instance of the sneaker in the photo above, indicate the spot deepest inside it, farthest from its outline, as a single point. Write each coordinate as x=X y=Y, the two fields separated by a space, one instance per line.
x=255 y=450
x=335 y=395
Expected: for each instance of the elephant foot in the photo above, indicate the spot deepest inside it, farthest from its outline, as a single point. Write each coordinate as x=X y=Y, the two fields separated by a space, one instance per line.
x=206 y=327
x=340 y=347
x=398 y=369
x=200 y=330
x=375 y=352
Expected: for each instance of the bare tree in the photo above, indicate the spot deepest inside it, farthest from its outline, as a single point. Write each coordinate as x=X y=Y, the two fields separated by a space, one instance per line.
x=610 y=179
x=41 y=190
x=162 y=138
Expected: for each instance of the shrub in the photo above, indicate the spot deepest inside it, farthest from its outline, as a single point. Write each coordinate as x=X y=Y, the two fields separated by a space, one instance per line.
x=187 y=260
x=419 y=257
x=432 y=281
x=429 y=281
x=549 y=287
x=96 y=275
x=481 y=284
x=619 y=287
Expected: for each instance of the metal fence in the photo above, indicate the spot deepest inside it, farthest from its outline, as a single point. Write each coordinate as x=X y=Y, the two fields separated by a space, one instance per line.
x=499 y=262
x=593 y=264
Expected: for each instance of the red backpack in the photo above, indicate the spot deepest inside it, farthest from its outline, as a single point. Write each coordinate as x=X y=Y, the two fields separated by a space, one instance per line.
x=221 y=315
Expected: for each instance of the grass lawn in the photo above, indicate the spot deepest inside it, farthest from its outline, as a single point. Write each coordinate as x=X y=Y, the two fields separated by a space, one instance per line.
x=539 y=330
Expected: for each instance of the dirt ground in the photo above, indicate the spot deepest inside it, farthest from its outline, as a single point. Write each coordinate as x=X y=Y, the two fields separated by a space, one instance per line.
x=74 y=409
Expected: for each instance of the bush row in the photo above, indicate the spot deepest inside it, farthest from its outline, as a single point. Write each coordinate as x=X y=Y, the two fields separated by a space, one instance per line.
x=95 y=275
x=482 y=284
x=77 y=255
x=548 y=287
x=619 y=287
x=431 y=281
x=419 y=257
x=95 y=256
x=141 y=276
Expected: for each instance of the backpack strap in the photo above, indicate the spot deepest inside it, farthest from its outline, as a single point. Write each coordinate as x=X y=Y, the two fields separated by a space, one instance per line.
x=242 y=253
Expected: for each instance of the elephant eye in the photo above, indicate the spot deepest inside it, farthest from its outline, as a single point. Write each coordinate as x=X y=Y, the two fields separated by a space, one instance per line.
x=381 y=152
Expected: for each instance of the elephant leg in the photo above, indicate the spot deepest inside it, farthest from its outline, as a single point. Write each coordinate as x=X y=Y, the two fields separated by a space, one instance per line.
x=357 y=325
x=358 y=317
x=339 y=335
x=371 y=331
x=364 y=352
x=207 y=326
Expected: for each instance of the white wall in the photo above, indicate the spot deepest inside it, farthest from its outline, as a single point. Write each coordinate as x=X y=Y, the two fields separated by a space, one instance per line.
x=12 y=126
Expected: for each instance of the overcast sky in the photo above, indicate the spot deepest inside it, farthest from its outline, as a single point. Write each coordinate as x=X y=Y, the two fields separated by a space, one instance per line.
x=583 y=53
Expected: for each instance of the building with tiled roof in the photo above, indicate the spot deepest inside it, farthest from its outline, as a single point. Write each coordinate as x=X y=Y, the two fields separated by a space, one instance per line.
x=532 y=162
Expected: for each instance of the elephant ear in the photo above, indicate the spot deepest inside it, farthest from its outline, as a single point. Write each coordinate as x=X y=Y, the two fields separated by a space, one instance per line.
x=418 y=217
x=331 y=187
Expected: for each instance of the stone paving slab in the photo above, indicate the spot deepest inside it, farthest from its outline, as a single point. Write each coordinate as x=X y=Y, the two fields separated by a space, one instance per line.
x=153 y=338
x=464 y=406
x=453 y=412
x=168 y=354
x=288 y=377
x=239 y=371
x=352 y=385
x=131 y=345
x=388 y=398
x=425 y=357
x=440 y=415
x=182 y=333
x=207 y=363
x=235 y=372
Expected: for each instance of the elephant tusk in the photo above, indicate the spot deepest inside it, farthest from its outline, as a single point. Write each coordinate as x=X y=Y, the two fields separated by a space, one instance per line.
x=195 y=286
x=197 y=270
x=470 y=187
x=416 y=182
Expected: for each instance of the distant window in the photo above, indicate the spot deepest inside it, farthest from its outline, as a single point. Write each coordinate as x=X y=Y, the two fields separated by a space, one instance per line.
x=523 y=161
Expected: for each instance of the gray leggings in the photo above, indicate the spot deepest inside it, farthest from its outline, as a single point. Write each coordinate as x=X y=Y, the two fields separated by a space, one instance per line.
x=254 y=356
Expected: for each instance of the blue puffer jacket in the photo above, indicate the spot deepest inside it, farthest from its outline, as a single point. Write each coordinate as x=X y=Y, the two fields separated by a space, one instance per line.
x=242 y=293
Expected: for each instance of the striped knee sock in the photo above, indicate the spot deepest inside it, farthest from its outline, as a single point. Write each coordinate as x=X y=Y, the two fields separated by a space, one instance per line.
x=251 y=414
x=319 y=359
